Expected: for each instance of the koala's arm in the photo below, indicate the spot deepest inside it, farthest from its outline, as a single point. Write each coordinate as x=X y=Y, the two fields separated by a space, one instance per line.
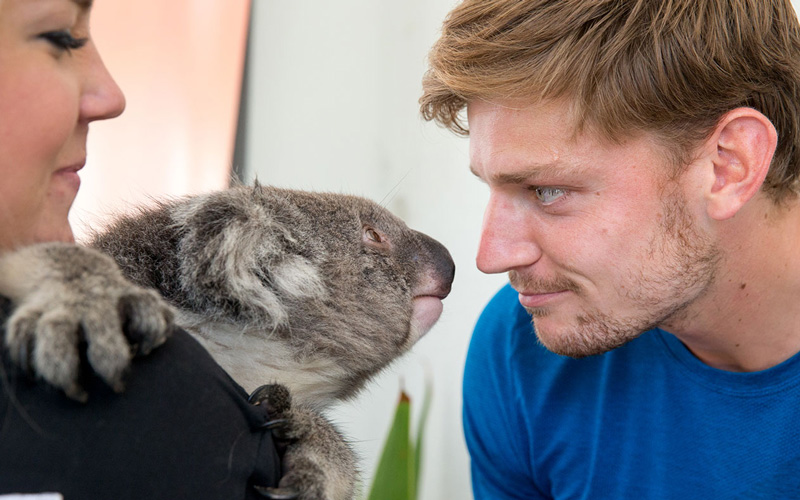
x=318 y=464
x=66 y=295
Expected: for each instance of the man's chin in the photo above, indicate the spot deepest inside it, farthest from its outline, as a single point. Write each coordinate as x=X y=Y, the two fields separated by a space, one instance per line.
x=582 y=337
x=567 y=347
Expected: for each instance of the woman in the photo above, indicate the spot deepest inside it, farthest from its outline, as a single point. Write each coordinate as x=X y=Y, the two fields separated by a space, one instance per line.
x=182 y=428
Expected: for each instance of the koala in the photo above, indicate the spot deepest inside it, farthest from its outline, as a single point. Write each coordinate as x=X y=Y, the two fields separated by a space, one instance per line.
x=302 y=297
x=65 y=294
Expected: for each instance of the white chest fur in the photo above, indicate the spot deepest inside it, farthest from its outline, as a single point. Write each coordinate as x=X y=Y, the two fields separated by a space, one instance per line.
x=257 y=358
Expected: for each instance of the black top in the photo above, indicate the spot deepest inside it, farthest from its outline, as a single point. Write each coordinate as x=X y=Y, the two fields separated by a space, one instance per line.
x=182 y=429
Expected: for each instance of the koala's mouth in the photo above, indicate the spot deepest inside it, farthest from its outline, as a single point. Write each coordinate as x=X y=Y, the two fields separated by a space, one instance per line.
x=427 y=307
x=426 y=311
x=428 y=293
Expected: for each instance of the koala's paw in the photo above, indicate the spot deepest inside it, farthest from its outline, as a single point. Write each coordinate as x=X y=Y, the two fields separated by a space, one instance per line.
x=69 y=298
x=318 y=464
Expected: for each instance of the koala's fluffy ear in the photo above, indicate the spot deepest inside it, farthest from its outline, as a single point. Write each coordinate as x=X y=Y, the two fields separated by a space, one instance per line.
x=236 y=256
x=258 y=191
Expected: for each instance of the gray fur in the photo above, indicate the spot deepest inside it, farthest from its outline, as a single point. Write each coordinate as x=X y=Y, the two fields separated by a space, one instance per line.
x=317 y=292
x=318 y=463
x=66 y=294
x=291 y=276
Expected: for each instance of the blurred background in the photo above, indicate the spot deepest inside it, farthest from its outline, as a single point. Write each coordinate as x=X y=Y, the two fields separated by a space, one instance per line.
x=319 y=96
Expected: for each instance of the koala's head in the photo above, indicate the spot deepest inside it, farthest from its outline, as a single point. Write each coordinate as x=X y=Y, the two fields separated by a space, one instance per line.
x=336 y=278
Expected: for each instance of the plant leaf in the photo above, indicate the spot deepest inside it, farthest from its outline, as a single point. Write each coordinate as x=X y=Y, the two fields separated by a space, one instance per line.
x=423 y=418
x=394 y=477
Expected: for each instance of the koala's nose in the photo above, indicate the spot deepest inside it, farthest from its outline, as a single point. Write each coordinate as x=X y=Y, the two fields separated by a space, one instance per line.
x=439 y=268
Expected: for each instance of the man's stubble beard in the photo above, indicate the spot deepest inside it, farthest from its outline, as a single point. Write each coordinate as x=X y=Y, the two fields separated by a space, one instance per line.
x=660 y=292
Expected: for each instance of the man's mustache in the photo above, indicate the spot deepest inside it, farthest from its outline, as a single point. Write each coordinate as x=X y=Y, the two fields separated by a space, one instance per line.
x=532 y=285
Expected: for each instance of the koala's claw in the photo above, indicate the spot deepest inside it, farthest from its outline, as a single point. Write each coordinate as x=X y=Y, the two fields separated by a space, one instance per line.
x=277 y=493
x=306 y=440
x=146 y=319
x=278 y=402
x=71 y=299
x=275 y=397
x=19 y=339
x=278 y=423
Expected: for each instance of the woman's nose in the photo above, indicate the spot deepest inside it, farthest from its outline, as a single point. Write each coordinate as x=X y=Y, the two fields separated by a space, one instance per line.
x=101 y=98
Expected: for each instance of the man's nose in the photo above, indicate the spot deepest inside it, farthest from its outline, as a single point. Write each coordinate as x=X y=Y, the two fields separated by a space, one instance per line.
x=507 y=239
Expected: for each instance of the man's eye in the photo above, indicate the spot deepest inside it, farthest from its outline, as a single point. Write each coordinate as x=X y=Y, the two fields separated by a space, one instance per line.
x=548 y=195
x=64 y=40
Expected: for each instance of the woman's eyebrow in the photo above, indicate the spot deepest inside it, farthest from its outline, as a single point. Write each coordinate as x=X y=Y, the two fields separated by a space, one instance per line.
x=84 y=4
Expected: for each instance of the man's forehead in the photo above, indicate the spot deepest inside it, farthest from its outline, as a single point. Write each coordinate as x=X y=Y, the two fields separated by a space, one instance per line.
x=538 y=145
x=561 y=109
x=497 y=125
x=521 y=141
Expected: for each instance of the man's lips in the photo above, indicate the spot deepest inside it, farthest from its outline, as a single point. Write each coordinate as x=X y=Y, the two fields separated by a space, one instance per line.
x=530 y=298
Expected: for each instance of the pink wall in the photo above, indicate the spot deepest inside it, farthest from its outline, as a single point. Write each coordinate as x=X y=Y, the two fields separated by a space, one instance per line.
x=179 y=63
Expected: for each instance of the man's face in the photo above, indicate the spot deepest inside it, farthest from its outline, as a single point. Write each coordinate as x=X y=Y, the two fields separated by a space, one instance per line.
x=596 y=238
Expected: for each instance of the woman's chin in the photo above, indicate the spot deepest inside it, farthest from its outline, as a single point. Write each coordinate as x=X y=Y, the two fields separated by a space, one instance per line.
x=61 y=232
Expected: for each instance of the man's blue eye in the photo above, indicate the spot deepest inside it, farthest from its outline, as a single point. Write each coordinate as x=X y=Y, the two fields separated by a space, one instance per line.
x=548 y=195
x=64 y=40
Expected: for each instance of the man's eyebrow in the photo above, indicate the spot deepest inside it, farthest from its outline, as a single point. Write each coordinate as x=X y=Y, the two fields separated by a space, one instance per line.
x=535 y=173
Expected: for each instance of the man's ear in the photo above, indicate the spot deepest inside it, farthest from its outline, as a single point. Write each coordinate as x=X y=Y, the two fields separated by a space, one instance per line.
x=741 y=147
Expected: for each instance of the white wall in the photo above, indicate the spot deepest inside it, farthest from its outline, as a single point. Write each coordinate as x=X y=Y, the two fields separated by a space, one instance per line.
x=333 y=95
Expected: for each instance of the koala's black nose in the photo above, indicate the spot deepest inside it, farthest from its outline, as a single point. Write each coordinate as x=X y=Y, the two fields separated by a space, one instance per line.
x=440 y=268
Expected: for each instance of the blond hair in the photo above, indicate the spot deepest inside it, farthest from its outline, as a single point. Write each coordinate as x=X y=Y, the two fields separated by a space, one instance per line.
x=669 y=67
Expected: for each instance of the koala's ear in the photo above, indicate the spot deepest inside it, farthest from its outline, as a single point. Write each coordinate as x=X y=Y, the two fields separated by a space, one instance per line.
x=257 y=189
x=234 y=254
x=220 y=257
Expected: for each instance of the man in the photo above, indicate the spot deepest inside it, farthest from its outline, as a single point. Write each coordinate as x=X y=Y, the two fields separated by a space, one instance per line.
x=642 y=159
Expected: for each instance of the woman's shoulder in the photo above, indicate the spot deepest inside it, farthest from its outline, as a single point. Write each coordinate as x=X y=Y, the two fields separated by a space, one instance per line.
x=182 y=427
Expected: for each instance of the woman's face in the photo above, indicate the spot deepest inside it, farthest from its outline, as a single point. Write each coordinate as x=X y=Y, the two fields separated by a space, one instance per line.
x=52 y=85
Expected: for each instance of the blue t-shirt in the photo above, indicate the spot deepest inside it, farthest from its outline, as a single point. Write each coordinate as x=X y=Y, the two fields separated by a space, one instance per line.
x=644 y=421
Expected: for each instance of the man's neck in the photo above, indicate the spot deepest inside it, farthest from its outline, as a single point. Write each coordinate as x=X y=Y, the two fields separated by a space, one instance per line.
x=750 y=320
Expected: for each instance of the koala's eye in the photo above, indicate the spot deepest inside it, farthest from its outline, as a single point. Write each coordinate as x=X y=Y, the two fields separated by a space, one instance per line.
x=375 y=239
x=372 y=235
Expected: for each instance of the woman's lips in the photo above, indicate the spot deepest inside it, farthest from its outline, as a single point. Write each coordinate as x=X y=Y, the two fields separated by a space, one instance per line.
x=69 y=177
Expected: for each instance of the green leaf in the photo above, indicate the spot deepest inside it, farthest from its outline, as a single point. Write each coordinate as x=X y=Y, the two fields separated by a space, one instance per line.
x=399 y=468
x=423 y=418
x=395 y=475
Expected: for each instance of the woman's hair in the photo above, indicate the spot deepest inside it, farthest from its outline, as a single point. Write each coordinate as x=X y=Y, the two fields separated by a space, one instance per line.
x=668 y=67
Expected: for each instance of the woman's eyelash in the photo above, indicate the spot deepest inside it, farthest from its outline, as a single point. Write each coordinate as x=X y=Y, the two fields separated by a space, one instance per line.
x=64 y=40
